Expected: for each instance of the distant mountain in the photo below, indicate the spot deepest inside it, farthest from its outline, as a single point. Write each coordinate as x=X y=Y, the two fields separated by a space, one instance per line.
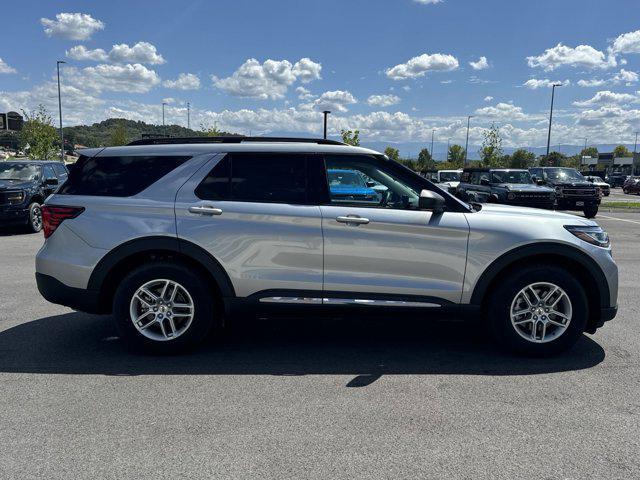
x=100 y=134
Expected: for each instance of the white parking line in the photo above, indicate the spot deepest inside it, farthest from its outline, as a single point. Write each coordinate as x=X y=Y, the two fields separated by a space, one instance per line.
x=620 y=219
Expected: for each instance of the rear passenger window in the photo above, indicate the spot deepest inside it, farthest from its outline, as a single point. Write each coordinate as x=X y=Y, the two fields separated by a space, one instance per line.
x=255 y=177
x=117 y=176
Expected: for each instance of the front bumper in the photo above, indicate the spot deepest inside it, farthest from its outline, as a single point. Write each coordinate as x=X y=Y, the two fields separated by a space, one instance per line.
x=54 y=291
x=12 y=215
x=572 y=203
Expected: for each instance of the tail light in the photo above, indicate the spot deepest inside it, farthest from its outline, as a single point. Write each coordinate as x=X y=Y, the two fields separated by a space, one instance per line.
x=54 y=215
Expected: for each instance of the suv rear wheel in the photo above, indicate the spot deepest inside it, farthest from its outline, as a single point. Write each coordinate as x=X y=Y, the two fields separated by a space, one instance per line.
x=163 y=308
x=538 y=311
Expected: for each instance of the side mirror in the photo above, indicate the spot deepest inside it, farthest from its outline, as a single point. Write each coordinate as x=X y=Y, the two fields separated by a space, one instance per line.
x=371 y=184
x=51 y=181
x=431 y=201
x=484 y=182
x=540 y=182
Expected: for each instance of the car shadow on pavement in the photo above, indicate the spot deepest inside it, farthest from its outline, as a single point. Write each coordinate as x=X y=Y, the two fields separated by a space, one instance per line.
x=77 y=343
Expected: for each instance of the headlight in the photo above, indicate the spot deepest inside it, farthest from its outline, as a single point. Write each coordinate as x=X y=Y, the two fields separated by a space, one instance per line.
x=511 y=196
x=14 y=198
x=594 y=235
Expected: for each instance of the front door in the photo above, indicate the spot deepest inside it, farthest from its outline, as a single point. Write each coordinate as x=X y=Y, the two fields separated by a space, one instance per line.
x=376 y=241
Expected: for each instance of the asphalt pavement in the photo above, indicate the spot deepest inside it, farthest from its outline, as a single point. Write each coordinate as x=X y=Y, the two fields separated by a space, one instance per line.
x=331 y=398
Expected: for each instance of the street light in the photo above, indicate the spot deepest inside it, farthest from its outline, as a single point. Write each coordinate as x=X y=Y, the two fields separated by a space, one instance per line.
x=466 y=145
x=163 y=104
x=635 y=145
x=553 y=91
x=60 y=110
x=432 y=134
x=326 y=114
x=188 y=115
x=448 y=146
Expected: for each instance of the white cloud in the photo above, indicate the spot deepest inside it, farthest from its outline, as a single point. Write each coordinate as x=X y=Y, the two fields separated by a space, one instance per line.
x=622 y=77
x=594 y=82
x=488 y=98
x=134 y=78
x=185 y=81
x=582 y=56
x=4 y=68
x=169 y=100
x=82 y=53
x=427 y=2
x=420 y=65
x=269 y=80
x=535 y=83
x=503 y=111
x=383 y=100
x=627 y=43
x=626 y=77
x=335 y=101
x=607 y=97
x=72 y=26
x=141 y=52
x=304 y=94
x=480 y=64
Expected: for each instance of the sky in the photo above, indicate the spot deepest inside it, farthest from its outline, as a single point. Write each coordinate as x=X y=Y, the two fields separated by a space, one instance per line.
x=397 y=70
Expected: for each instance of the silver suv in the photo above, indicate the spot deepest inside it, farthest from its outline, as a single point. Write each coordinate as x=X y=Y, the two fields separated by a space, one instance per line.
x=173 y=236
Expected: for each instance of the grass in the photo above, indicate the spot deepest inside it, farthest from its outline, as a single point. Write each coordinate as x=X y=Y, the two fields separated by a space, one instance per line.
x=620 y=205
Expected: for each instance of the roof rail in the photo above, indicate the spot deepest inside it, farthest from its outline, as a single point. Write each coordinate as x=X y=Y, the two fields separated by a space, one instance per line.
x=231 y=139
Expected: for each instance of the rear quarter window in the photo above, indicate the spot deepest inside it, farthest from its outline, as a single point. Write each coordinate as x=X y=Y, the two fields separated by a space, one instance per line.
x=118 y=176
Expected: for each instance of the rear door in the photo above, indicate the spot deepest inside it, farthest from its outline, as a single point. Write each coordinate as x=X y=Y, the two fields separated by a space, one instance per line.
x=387 y=249
x=254 y=213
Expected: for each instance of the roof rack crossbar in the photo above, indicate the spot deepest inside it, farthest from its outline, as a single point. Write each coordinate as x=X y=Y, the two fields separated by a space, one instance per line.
x=231 y=139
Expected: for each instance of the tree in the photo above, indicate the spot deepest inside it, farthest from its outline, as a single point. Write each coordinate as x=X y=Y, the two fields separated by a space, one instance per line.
x=554 y=159
x=589 y=152
x=491 y=151
x=392 y=153
x=425 y=161
x=119 y=135
x=351 y=137
x=621 y=151
x=521 y=158
x=211 y=131
x=456 y=155
x=38 y=135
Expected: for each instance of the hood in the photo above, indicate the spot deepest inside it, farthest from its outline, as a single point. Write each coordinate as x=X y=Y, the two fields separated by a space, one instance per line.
x=525 y=187
x=573 y=184
x=532 y=214
x=14 y=184
x=452 y=183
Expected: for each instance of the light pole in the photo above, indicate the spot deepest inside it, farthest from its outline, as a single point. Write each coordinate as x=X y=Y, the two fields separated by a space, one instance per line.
x=433 y=132
x=553 y=91
x=163 y=104
x=448 y=146
x=635 y=145
x=466 y=145
x=60 y=111
x=326 y=114
x=188 y=115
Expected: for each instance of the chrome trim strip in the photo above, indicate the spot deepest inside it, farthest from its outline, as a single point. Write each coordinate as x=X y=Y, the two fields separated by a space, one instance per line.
x=298 y=300
x=349 y=301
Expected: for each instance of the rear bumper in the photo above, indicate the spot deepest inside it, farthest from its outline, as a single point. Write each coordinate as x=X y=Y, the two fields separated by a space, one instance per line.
x=55 y=291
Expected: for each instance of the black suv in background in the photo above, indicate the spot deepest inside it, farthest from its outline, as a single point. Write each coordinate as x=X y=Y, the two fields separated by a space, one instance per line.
x=507 y=186
x=573 y=191
x=24 y=185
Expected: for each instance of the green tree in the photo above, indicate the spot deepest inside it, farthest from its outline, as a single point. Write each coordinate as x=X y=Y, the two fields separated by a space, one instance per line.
x=425 y=161
x=210 y=131
x=392 y=153
x=554 y=159
x=119 y=136
x=521 y=158
x=589 y=152
x=621 y=151
x=38 y=135
x=456 y=155
x=573 y=161
x=491 y=151
x=351 y=137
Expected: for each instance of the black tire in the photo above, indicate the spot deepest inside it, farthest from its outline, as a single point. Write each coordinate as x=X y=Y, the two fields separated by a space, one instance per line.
x=34 y=222
x=499 y=308
x=625 y=191
x=590 y=212
x=202 y=294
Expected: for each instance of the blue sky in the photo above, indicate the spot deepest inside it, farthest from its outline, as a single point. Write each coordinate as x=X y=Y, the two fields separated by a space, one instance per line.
x=395 y=69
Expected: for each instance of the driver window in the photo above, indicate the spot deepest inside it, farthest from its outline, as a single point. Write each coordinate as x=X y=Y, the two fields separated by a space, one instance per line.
x=48 y=172
x=367 y=181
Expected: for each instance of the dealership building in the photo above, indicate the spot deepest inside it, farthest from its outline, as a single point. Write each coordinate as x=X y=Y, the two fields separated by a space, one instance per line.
x=607 y=162
x=10 y=124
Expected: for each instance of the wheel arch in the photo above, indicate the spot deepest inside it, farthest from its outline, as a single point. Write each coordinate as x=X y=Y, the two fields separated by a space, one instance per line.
x=127 y=256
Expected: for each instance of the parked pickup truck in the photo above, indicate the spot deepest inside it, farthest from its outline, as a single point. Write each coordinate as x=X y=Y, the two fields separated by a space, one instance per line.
x=507 y=186
x=573 y=191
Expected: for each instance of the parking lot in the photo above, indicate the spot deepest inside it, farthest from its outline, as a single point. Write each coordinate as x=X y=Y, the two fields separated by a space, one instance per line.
x=332 y=398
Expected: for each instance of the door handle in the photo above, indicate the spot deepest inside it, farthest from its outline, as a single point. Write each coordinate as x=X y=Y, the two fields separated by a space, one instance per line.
x=352 y=220
x=205 y=210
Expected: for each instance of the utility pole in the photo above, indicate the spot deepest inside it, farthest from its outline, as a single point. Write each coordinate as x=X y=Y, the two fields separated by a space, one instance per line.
x=635 y=145
x=188 y=115
x=448 y=146
x=60 y=111
x=553 y=91
x=163 y=104
x=326 y=114
x=432 y=134
x=466 y=145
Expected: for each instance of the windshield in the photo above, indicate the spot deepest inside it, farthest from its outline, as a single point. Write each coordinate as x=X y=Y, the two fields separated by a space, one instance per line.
x=449 y=176
x=345 y=178
x=18 y=171
x=511 y=176
x=564 y=174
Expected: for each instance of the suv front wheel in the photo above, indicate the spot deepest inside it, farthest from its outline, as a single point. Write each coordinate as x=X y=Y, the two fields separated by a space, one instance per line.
x=590 y=212
x=163 y=308
x=538 y=311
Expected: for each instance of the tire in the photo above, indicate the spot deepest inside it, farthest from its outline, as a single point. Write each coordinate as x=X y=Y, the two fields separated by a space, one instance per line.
x=507 y=297
x=34 y=222
x=590 y=212
x=190 y=330
x=625 y=191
